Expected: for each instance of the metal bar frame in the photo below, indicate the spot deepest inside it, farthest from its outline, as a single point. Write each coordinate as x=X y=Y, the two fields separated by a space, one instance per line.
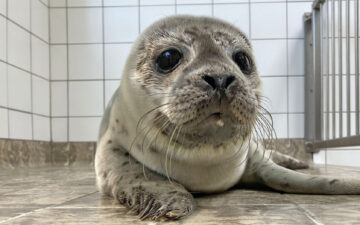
x=317 y=107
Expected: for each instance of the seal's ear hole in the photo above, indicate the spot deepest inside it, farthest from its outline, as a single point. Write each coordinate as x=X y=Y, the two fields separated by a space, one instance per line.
x=244 y=62
x=168 y=60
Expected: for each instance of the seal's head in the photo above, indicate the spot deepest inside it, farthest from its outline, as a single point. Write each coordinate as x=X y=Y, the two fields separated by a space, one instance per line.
x=202 y=73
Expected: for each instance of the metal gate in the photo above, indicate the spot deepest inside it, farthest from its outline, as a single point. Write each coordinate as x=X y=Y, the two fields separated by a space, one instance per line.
x=332 y=74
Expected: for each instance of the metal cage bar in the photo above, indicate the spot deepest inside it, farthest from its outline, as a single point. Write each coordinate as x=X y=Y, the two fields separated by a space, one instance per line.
x=321 y=58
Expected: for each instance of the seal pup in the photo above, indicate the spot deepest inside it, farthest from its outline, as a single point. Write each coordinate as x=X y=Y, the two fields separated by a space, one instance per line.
x=187 y=117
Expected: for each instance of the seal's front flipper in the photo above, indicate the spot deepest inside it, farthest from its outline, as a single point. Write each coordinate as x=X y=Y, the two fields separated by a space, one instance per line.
x=282 y=179
x=286 y=160
x=147 y=194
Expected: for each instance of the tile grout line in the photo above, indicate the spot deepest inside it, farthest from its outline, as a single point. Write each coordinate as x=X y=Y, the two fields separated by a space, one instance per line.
x=67 y=73
x=23 y=28
x=103 y=52
x=7 y=66
x=31 y=76
x=287 y=71
x=24 y=70
x=50 y=83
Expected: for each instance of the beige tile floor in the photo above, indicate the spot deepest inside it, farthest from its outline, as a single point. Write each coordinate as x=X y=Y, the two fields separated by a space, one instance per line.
x=67 y=195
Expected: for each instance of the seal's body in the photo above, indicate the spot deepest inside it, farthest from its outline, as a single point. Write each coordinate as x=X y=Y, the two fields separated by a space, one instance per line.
x=188 y=117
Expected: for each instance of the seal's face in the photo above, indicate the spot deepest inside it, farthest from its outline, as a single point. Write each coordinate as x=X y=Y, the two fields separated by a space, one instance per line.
x=204 y=76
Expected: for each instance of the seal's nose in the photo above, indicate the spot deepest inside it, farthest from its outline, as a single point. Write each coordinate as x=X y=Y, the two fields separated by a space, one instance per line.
x=220 y=82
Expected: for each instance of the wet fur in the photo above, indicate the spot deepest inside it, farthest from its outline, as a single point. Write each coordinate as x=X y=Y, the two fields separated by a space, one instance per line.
x=154 y=146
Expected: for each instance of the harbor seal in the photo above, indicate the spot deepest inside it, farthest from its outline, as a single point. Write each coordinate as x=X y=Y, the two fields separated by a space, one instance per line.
x=187 y=118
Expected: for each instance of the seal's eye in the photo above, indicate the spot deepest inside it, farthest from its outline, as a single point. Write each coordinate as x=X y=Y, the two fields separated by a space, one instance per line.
x=244 y=62
x=168 y=60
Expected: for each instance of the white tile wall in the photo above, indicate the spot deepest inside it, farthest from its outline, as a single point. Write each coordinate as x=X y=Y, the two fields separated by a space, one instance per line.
x=275 y=92
x=116 y=21
x=58 y=64
x=200 y=10
x=19 y=12
x=59 y=96
x=19 y=89
x=271 y=57
x=18 y=46
x=40 y=57
x=4 y=129
x=24 y=70
x=86 y=98
x=2 y=38
x=41 y=96
x=237 y=14
x=40 y=19
x=110 y=88
x=150 y=14
x=121 y=3
x=57 y=3
x=85 y=62
x=85 y=25
x=41 y=128
x=79 y=3
x=115 y=58
x=84 y=129
x=59 y=129
x=58 y=25
x=3 y=7
x=3 y=84
x=20 y=125
x=268 y=20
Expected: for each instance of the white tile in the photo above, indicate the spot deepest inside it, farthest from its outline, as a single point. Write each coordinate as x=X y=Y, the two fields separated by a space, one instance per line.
x=115 y=59
x=121 y=3
x=72 y=3
x=40 y=57
x=296 y=125
x=280 y=125
x=270 y=56
x=3 y=7
x=59 y=98
x=199 y=10
x=58 y=62
x=4 y=121
x=110 y=88
x=268 y=20
x=41 y=128
x=237 y=14
x=3 y=84
x=296 y=94
x=46 y=2
x=40 y=20
x=230 y=1
x=20 y=125
x=41 y=96
x=59 y=129
x=58 y=25
x=118 y=20
x=296 y=12
x=86 y=61
x=157 y=2
x=84 y=129
x=19 y=11
x=86 y=98
x=343 y=157
x=275 y=92
x=193 y=2
x=267 y=1
x=151 y=14
x=296 y=60
x=319 y=157
x=85 y=25
x=57 y=3
x=2 y=38
x=18 y=46
x=19 y=89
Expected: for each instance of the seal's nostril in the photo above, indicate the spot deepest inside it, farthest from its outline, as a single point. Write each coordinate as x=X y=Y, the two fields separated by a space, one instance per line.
x=219 y=81
x=211 y=81
x=228 y=81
